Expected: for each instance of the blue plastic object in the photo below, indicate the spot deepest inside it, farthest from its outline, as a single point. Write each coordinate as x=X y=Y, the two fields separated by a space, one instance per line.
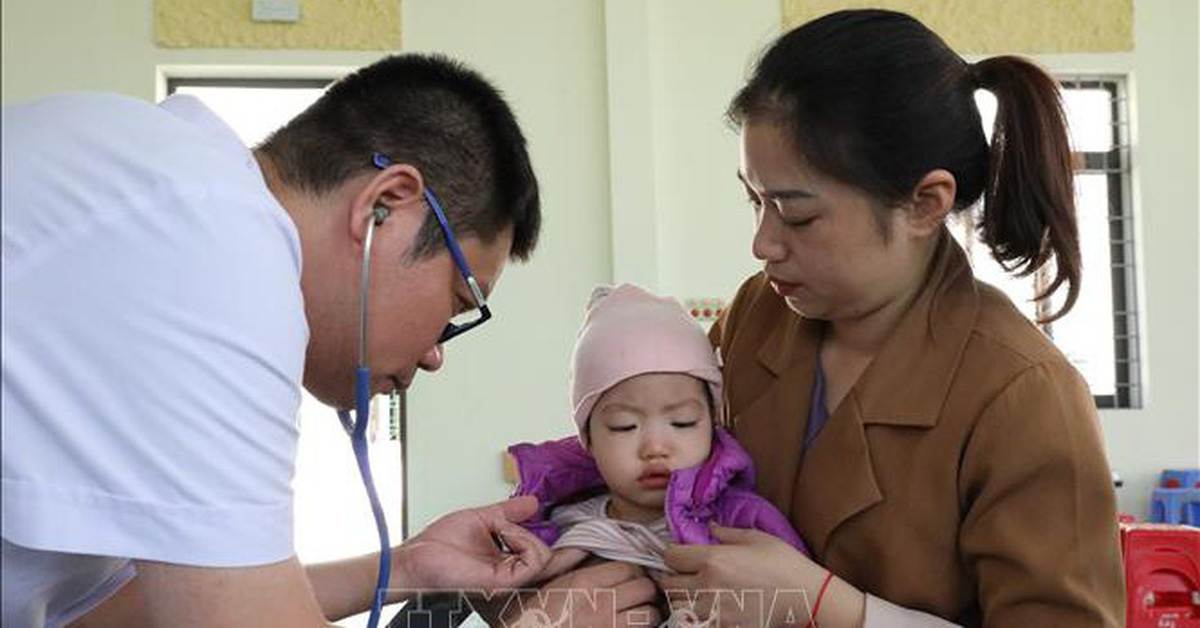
x=1180 y=478
x=1180 y=506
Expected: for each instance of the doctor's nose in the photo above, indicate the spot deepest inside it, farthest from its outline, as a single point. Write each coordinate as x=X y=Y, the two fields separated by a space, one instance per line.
x=433 y=359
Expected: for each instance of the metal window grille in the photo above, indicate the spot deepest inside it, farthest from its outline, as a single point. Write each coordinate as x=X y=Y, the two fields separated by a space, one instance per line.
x=1114 y=165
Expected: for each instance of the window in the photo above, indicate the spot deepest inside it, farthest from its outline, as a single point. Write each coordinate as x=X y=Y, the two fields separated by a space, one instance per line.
x=252 y=107
x=1100 y=335
x=333 y=519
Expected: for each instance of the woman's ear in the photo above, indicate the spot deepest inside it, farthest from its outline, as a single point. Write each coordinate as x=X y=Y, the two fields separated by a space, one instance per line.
x=394 y=190
x=932 y=199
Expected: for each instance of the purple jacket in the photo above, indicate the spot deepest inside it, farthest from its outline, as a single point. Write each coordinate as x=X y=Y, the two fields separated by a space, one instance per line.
x=720 y=490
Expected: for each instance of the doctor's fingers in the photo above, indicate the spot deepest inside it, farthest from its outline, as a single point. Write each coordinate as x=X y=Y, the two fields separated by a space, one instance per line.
x=516 y=509
x=526 y=556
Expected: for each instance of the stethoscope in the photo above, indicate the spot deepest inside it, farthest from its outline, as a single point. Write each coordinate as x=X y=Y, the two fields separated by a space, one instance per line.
x=356 y=427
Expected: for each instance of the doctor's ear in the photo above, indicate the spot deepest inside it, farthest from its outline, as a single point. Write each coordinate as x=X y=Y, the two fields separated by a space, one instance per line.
x=391 y=191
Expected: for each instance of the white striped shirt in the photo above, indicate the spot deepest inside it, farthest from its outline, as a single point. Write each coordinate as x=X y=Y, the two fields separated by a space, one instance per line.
x=587 y=526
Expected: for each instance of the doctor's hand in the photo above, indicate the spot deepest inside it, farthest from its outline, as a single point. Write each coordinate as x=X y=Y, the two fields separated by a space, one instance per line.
x=775 y=582
x=457 y=551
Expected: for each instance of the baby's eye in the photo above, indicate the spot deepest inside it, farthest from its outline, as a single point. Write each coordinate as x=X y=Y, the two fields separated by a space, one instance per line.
x=621 y=428
x=684 y=424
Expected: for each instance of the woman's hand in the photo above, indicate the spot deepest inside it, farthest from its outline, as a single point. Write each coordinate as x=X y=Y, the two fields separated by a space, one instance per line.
x=458 y=551
x=753 y=578
x=609 y=595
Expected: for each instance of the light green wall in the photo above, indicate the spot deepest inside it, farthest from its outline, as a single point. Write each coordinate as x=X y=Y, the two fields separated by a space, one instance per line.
x=623 y=100
x=509 y=383
x=989 y=27
x=1164 y=64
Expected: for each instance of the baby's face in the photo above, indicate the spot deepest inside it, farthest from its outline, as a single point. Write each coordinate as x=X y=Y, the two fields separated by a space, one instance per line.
x=642 y=429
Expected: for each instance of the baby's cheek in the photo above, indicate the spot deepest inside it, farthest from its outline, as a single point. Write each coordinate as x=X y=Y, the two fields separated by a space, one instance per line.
x=610 y=469
x=699 y=450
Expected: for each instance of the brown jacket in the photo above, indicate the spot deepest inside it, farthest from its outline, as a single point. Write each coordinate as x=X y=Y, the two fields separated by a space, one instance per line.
x=964 y=473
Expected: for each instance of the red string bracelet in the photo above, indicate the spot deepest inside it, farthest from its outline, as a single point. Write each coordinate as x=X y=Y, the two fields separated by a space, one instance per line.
x=812 y=621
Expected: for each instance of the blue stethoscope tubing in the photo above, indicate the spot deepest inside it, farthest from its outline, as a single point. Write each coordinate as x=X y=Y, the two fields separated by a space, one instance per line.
x=357 y=426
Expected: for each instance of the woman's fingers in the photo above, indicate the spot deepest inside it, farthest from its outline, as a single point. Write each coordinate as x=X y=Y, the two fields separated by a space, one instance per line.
x=603 y=576
x=736 y=536
x=609 y=594
x=645 y=615
x=687 y=559
x=562 y=561
x=634 y=593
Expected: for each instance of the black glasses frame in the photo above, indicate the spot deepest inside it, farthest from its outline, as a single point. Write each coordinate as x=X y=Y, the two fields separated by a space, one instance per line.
x=381 y=161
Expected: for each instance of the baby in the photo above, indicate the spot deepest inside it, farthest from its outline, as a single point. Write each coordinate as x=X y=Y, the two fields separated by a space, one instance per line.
x=650 y=465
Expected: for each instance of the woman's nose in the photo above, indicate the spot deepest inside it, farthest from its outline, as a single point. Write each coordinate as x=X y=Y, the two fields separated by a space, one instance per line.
x=433 y=359
x=767 y=245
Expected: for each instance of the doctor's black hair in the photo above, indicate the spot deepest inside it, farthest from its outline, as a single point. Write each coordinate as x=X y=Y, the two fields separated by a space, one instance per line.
x=430 y=112
x=876 y=100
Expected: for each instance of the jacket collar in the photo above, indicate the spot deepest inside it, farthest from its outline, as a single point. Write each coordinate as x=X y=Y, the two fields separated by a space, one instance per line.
x=908 y=381
x=563 y=471
x=906 y=384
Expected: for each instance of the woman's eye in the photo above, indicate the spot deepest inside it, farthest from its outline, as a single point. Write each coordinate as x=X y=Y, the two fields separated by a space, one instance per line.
x=800 y=223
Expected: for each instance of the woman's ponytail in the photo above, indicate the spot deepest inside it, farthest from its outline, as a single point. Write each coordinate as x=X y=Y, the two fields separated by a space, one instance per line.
x=1029 y=200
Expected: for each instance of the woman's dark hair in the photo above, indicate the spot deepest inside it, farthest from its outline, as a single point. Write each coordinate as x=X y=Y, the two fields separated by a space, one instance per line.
x=431 y=112
x=875 y=99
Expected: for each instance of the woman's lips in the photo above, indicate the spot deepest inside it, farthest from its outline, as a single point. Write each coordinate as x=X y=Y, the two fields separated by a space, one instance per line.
x=783 y=288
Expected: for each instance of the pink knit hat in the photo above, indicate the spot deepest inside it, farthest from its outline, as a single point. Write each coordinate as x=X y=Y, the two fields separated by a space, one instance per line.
x=629 y=331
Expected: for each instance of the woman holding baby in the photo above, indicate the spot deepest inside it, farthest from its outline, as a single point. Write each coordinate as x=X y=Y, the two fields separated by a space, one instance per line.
x=939 y=457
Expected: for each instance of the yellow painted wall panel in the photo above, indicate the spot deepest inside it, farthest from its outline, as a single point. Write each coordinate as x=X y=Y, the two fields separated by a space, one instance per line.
x=995 y=26
x=323 y=25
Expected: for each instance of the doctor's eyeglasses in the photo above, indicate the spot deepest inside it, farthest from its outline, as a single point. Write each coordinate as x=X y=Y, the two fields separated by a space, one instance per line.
x=470 y=319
